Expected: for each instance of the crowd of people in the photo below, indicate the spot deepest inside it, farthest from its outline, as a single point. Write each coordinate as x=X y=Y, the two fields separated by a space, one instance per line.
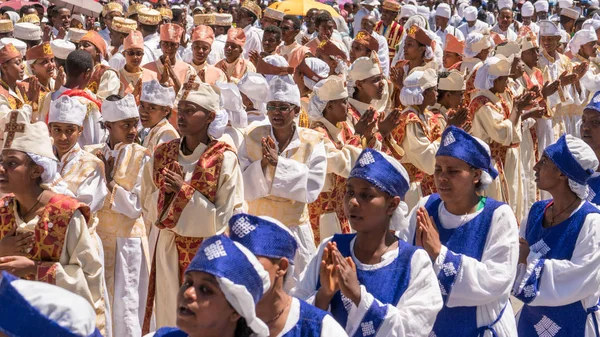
x=225 y=169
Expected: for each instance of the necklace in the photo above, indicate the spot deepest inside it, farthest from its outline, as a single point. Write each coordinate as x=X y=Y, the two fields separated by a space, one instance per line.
x=280 y=313
x=287 y=142
x=32 y=207
x=561 y=212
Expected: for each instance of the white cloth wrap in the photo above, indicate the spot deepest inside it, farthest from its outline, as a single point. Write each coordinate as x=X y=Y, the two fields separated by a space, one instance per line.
x=217 y=126
x=50 y=167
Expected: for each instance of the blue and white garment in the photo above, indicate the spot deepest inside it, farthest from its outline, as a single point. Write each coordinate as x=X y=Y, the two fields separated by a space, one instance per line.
x=594 y=192
x=30 y=308
x=399 y=295
x=305 y=320
x=560 y=284
x=475 y=268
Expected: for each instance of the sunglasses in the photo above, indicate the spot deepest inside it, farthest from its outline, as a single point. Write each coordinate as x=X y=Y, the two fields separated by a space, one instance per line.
x=134 y=53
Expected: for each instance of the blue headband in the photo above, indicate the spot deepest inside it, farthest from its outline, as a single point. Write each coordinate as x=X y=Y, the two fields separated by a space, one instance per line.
x=219 y=256
x=262 y=237
x=594 y=103
x=19 y=318
x=461 y=145
x=373 y=167
x=562 y=157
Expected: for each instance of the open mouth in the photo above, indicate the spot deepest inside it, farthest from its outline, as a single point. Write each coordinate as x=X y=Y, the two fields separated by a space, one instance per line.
x=183 y=311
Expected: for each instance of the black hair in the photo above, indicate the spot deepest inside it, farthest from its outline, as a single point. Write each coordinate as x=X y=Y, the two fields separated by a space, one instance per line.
x=78 y=62
x=177 y=13
x=242 y=329
x=7 y=9
x=24 y=9
x=482 y=16
x=148 y=28
x=57 y=9
x=274 y=30
x=295 y=21
x=114 y=98
x=322 y=17
x=251 y=14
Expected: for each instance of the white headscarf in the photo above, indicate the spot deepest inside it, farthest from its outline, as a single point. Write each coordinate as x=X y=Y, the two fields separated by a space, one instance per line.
x=483 y=79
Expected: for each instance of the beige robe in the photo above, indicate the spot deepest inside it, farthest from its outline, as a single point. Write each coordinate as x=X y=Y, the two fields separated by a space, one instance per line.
x=160 y=133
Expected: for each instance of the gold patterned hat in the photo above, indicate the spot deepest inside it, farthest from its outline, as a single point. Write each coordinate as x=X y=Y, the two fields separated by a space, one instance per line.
x=31 y=18
x=123 y=25
x=112 y=7
x=134 y=9
x=8 y=52
x=223 y=20
x=273 y=14
x=149 y=17
x=391 y=5
x=252 y=7
x=21 y=135
x=6 y=26
x=204 y=19
x=41 y=51
x=166 y=13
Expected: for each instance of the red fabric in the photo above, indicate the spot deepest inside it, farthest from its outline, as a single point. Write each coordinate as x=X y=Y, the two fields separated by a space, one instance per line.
x=84 y=94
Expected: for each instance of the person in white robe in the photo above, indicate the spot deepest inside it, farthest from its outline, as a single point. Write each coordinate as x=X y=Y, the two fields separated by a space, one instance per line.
x=148 y=22
x=121 y=226
x=559 y=254
x=32 y=308
x=237 y=118
x=275 y=247
x=238 y=280
x=176 y=192
x=505 y=22
x=527 y=12
x=472 y=240
x=472 y=25
x=254 y=90
x=250 y=12
x=372 y=282
x=284 y=167
x=156 y=104
x=442 y=17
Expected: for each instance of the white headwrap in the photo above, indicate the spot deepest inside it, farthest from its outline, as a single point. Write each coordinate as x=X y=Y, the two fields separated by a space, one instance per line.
x=580 y=38
x=541 y=6
x=593 y=23
x=281 y=90
x=475 y=43
x=232 y=104
x=492 y=68
x=50 y=167
x=319 y=67
x=415 y=84
x=256 y=88
x=278 y=61
x=13 y=16
x=527 y=9
x=326 y=90
x=443 y=10
x=470 y=13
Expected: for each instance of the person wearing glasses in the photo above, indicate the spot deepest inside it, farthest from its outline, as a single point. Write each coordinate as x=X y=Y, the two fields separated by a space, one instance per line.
x=291 y=50
x=132 y=75
x=284 y=167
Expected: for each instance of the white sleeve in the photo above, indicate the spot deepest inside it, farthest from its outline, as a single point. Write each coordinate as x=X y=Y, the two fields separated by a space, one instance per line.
x=384 y=55
x=553 y=282
x=481 y=282
x=408 y=234
x=92 y=191
x=306 y=287
x=301 y=182
x=126 y=202
x=330 y=327
x=256 y=185
x=110 y=84
x=418 y=150
x=253 y=42
x=414 y=314
x=117 y=61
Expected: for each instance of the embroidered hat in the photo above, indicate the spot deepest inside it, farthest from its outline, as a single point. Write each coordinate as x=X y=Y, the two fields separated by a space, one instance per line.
x=443 y=10
x=574 y=158
x=21 y=135
x=67 y=110
x=27 y=31
x=8 y=52
x=166 y=13
x=124 y=108
x=541 y=6
x=263 y=236
x=153 y=92
x=459 y=144
x=112 y=7
x=205 y=95
x=134 y=40
x=31 y=18
x=391 y=5
x=549 y=28
x=171 y=32
x=150 y=17
x=204 y=19
x=273 y=14
x=41 y=51
x=420 y=36
x=123 y=25
x=281 y=90
x=527 y=9
x=75 y=34
x=32 y=308
x=204 y=34
x=330 y=48
x=78 y=17
x=62 y=48
x=509 y=48
x=96 y=39
x=242 y=279
x=382 y=171
x=408 y=11
x=367 y=40
x=6 y=26
x=134 y=9
x=594 y=103
x=580 y=38
x=253 y=7
x=470 y=13
x=453 y=82
x=236 y=36
x=527 y=39
x=223 y=20
x=454 y=45
x=364 y=67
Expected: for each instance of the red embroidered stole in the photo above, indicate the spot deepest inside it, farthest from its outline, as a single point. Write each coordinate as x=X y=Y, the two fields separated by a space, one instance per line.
x=50 y=232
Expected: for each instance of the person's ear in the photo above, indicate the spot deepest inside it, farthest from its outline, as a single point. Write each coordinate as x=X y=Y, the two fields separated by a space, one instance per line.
x=394 y=202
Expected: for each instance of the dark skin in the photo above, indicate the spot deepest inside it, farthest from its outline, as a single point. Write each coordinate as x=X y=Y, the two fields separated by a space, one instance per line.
x=65 y=136
x=109 y=17
x=288 y=33
x=505 y=19
x=62 y=21
x=12 y=71
x=123 y=131
x=449 y=59
x=232 y=52
x=281 y=115
x=357 y=50
x=270 y=42
x=369 y=211
x=90 y=48
x=325 y=30
x=151 y=114
x=275 y=300
x=201 y=51
x=388 y=17
x=168 y=59
x=244 y=18
x=441 y=22
x=590 y=129
x=116 y=38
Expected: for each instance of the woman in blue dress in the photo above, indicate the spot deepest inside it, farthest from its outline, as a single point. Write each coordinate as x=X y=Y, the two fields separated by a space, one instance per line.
x=590 y=133
x=559 y=253
x=373 y=283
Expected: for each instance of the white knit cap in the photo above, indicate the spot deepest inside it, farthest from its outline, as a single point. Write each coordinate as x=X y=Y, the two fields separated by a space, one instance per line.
x=470 y=13
x=154 y=93
x=281 y=90
x=570 y=13
x=443 y=10
x=541 y=6
x=527 y=9
x=67 y=110
x=408 y=10
x=20 y=45
x=27 y=31
x=565 y=4
x=124 y=108
x=580 y=38
x=206 y=96
x=61 y=48
x=505 y=4
x=326 y=90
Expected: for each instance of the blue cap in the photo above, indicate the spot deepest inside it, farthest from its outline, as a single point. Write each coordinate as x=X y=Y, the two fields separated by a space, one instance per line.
x=562 y=157
x=263 y=236
x=383 y=171
x=459 y=144
x=594 y=103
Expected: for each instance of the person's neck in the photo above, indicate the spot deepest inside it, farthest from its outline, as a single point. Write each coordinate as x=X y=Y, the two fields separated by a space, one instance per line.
x=199 y=62
x=146 y=34
x=444 y=103
x=331 y=120
x=462 y=206
x=471 y=25
x=369 y=247
x=72 y=83
x=530 y=65
x=387 y=24
x=583 y=55
x=61 y=154
x=422 y=107
x=10 y=81
x=597 y=152
x=283 y=135
x=234 y=60
x=28 y=200
x=229 y=331
x=272 y=304
x=132 y=69
x=363 y=97
x=443 y=27
x=112 y=143
x=191 y=142
x=44 y=81
x=415 y=63
x=289 y=43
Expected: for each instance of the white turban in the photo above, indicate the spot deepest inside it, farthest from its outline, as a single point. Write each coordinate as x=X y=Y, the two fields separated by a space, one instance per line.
x=475 y=43
x=492 y=68
x=541 y=6
x=50 y=167
x=580 y=38
x=329 y=89
x=319 y=67
x=593 y=23
x=443 y=10
x=408 y=11
x=527 y=9
x=470 y=13
x=415 y=84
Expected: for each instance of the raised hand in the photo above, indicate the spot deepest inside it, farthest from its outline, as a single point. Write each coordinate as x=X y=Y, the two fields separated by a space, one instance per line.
x=347 y=279
x=14 y=243
x=387 y=124
x=459 y=117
